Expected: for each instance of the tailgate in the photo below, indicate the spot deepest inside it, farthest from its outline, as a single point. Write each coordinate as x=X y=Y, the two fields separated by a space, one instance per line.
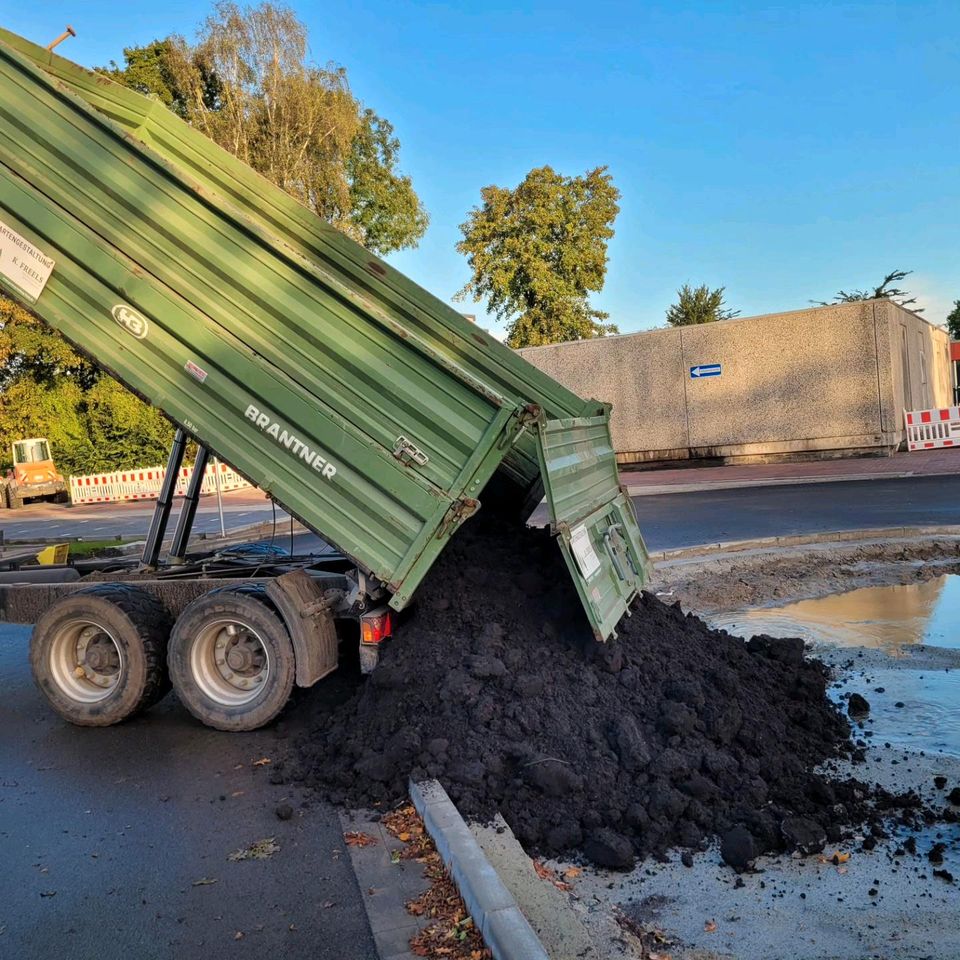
x=592 y=517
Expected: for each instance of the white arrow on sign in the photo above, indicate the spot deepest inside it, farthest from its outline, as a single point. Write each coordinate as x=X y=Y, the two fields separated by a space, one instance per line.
x=705 y=370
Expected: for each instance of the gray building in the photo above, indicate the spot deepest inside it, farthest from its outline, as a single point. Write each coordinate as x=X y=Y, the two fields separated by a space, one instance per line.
x=828 y=381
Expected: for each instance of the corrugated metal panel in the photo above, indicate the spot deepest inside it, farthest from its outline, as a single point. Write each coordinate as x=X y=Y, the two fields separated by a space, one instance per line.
x=388 y=293
x=267 y=327
x=593 y=519
x=299 y=358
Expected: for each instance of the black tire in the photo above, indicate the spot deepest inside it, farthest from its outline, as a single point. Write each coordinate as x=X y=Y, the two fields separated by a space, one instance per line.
x=14 y=500
x=63 y=496
x=207 y=687
x=138 y=626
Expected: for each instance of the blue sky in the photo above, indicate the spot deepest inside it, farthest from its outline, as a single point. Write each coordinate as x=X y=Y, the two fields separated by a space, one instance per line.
x=781 y=150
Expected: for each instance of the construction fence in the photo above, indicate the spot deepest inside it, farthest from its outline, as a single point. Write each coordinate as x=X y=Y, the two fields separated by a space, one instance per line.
x=144 y=483
x=932 y=429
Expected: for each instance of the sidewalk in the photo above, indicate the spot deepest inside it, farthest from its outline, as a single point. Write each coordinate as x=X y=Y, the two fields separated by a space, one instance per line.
x=689 y=479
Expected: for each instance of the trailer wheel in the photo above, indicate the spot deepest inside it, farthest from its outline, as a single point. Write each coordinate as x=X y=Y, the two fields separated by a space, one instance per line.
x=231 y=659
x=97 y=655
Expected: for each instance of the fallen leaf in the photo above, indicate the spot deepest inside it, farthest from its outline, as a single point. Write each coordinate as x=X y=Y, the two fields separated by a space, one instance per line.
x=262 y=762
x=204 y=882
x=544 y=873
x=238 y=793
x=572 y=872
x=356 y=838
x=48 y=893
x=710 y=926
x=839 y=857
x=327 y=904
x=403 y=837
x=841 y=870
x=258 y=850
x=239 y=935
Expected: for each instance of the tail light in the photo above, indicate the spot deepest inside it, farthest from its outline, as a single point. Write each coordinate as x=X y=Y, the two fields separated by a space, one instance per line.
x=376 y=626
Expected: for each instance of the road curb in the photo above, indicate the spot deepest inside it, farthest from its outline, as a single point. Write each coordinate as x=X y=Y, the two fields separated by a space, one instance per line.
x=503 y=927
x=833 y=536
x=665 y=489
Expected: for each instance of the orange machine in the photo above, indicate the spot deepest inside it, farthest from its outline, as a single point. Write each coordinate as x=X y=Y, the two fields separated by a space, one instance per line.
x=34 y=475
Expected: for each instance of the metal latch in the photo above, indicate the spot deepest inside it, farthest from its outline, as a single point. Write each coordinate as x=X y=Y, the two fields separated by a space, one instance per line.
x=617 y=549
x=408 y=452
x=459 y=511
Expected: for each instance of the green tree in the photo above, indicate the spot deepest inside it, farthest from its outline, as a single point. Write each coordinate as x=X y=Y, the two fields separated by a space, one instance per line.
x=49 y=390
x=385 y=212
x=30 y=350
x=953 y=321
x=51 y=410
x=538 y=250
x=150 y=70
x=698 y=305
x=124 y=431
x=883 y=291
x=247 y=84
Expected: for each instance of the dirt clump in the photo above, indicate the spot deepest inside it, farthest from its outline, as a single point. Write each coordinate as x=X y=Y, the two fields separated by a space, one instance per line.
x=667 y=736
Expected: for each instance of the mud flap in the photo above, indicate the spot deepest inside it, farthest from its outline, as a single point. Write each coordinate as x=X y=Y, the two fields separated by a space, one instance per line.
x=592 y=517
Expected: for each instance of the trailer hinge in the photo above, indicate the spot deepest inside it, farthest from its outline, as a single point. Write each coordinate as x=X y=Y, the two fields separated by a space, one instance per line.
x=407 y=452
x=459 y=511
x=524 y=417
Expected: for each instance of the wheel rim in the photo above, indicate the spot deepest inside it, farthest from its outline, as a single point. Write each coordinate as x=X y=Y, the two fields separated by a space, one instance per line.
x=86 y=661
x=230 y=662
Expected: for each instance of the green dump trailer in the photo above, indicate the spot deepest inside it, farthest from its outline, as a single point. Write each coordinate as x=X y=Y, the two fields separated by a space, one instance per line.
x=363 y=405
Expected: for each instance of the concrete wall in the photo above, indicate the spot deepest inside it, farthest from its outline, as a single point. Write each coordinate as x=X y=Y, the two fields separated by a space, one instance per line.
x=919 y=362
x=831 y=379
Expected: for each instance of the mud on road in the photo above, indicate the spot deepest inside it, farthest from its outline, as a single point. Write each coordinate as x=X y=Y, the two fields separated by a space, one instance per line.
x=734 y=580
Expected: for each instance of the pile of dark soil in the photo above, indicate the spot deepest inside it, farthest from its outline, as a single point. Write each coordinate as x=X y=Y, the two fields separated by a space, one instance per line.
x=666 y=736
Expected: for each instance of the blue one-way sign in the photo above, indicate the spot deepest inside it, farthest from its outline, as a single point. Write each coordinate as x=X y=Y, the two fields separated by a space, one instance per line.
x=705 y=370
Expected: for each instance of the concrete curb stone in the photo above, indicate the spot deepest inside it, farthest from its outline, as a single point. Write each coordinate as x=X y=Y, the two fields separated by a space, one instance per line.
x=504 y=928
x=700 y=486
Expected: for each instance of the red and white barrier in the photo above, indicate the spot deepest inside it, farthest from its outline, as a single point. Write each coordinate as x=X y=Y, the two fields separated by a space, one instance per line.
x=145 y=483
x=931 y=429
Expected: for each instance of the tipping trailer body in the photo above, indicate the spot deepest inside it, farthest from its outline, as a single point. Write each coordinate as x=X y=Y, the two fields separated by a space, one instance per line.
x=366 y=407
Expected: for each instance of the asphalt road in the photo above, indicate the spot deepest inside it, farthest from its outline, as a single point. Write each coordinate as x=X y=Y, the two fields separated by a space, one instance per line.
x=105 y=832
x=667 y=520
x=687 y=519
x=100 y=521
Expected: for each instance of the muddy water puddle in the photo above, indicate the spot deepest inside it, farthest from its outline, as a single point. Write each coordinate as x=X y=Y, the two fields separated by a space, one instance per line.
x=915 y=708
x=885 y=618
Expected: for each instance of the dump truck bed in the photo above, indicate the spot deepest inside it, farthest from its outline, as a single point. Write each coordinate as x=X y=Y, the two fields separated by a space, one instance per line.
x=369 y=409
